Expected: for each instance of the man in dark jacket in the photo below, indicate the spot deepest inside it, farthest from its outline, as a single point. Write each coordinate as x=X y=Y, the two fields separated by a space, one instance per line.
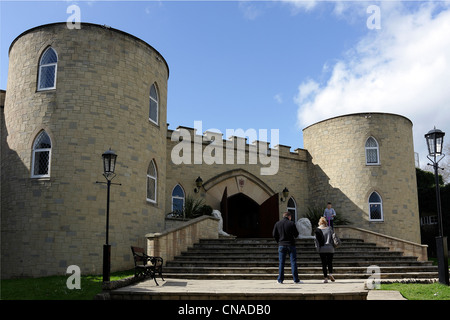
x=285 y=233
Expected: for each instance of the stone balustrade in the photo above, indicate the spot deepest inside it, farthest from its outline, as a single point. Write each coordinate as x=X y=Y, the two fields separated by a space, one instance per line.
x=172 y=242
x=395 y=244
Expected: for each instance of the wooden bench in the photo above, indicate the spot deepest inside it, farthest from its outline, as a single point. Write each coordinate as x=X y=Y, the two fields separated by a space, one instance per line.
x=145 y=265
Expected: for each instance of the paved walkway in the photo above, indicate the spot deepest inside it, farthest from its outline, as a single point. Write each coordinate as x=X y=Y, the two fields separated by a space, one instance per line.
x=175 y=289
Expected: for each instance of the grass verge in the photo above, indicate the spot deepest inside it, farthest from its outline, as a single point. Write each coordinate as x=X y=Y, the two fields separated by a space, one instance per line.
x=55 y=288
x=420 y=291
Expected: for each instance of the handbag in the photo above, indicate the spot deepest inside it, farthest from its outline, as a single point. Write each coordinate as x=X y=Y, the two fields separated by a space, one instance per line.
x=336 y=241
x=319 y=237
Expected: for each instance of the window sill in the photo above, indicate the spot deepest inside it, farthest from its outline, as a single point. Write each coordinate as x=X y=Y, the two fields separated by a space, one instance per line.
x=153 y=123
x=38 y=178
x=41 y=181
x=46 y=90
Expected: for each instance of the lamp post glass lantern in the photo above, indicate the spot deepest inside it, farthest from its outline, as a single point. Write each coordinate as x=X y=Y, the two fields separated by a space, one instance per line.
x=435 y=142
x=109 y=163
x=285 y=192
x=199 y=184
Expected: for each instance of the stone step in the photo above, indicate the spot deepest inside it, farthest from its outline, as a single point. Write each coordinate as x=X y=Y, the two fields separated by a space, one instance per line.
x=268 y=243
x=300 y=250
x=306 y=276
x=253 y=264
x=267 y=240
x=302 y=270
x=274 y=255
x=387 y=256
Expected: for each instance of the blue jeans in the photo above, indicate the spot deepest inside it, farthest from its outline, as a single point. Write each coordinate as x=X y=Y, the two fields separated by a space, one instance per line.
x=282 y=252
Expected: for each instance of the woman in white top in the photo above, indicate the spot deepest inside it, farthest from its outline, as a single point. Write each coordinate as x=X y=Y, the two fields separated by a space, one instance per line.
x=324 y=245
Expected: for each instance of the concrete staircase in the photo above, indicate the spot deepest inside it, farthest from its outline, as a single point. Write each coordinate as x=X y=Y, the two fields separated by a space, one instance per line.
x=257 y=258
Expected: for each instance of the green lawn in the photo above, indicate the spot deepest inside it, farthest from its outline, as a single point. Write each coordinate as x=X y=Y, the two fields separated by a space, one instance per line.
x=55 y=288
x=419 y=291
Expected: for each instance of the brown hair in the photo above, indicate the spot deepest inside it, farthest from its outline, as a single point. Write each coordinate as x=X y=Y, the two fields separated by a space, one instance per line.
x=323 y=221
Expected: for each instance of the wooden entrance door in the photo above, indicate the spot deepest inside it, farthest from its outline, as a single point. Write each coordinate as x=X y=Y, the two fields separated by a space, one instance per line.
x=268 y=215
x=224 y=209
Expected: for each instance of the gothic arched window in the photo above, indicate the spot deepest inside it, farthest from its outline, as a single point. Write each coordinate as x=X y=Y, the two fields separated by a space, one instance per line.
x=292 y=208
x=177 y=199
x=154 y=104
x=372 y=151
x=152 y=182
x=375 y=207
x=42 y=149
x=47 y=70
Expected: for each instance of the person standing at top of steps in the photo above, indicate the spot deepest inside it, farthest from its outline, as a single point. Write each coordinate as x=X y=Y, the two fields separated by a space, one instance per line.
x=329 y=214
x=285 y=232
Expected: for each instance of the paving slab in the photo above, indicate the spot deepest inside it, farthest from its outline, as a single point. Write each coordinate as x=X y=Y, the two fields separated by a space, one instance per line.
x=186 y=289
x=385 y=295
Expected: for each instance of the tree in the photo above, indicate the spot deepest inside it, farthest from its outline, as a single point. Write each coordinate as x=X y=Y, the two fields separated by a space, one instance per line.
x=444 y=175
x=426 y=189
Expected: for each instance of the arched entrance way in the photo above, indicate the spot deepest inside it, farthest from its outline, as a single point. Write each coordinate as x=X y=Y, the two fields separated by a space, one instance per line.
x=248 y=205
x=243 y=216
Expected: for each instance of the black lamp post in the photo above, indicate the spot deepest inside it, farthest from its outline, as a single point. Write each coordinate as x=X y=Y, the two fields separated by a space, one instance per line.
x=109 y=165
x=435 y=142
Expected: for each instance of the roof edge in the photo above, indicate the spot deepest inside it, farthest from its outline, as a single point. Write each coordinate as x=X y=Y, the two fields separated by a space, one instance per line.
x=95 y=25
x=358 y=114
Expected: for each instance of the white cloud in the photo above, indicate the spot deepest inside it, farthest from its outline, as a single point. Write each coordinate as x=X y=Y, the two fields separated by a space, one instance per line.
x=301 y=5
x=278 y=98
x=404 y=68
x=249 y=10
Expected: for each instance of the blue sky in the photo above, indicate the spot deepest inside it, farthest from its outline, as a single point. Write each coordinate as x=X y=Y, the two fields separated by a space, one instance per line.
x=278 y=64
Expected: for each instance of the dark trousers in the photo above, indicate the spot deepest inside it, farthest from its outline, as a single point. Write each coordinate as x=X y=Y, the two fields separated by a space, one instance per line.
x=327 y=262
x=292 y=252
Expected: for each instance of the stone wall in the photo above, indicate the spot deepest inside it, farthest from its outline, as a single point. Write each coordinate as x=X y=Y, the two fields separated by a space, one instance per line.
x=394 y=244
x=172 y=242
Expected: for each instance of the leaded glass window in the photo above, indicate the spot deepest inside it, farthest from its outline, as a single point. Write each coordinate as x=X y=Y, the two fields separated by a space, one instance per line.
x=177 y=199
x=42 y=148
x=47 y=70
x=372 y=151
x=292 y=208
x=152 y=178
x=375 y=207
x=153 y=110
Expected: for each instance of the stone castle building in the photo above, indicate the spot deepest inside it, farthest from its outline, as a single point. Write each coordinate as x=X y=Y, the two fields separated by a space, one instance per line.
x=74 y=93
